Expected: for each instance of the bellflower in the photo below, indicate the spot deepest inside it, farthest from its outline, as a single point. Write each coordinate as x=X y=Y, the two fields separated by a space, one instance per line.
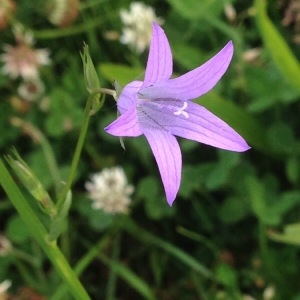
x=160 y=108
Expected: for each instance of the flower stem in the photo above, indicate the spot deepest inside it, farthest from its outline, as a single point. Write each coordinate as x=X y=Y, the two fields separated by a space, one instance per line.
x=39 y=232
x=79 y=146
x=82 y=264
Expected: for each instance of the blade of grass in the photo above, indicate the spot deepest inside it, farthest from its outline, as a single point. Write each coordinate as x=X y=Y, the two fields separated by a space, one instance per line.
x=39 y=232
x=280 y=52
x=144 y=236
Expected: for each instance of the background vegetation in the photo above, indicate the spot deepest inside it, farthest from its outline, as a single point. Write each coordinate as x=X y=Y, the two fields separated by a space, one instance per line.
x=233 y=231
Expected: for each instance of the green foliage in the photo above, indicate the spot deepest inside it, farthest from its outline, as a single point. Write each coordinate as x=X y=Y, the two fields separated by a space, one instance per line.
x=233 y=230
x=282 y=55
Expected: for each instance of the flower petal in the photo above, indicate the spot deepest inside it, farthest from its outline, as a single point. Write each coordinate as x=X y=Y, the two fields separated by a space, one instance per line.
x=126 y=124
x=192 y=121
x=194 y=83
x=128 y=96
x=204 y=127
x=167 y=153
x=160 y=64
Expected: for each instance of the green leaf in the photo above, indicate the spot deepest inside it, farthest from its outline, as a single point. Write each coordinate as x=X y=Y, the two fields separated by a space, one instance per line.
x=97 y=219
x=122 y=73
x=237 y=118
x=64 y=114
x=290 y=235
x=156 y=206
x=127 y=275
x=196 y=171
x=280 y=52
x=146 y=237
x=187 y=56
x=226 y=275
x=292 y=169
x=17 y=231
x=195 y=9
x=262 y=82
x=281 y=138
x=233 y=210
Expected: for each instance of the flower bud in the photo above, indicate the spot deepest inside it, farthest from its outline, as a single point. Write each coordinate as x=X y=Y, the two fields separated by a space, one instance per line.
x=31 y=183
x=90 y=74
x=91 y=80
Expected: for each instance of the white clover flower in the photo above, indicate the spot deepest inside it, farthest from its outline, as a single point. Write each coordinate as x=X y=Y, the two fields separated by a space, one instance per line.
x=137 y=22
x=23 y=60
x=110 y=190
x=31 y=89
x=63 y=12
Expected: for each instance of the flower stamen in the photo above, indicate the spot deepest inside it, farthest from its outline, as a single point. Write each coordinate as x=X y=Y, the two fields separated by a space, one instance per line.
x=181 y=111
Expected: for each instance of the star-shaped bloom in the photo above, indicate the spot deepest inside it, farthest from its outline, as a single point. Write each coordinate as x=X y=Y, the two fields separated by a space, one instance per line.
x=160 y=108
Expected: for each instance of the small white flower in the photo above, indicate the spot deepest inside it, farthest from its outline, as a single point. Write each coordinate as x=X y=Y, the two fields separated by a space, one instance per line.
x=269 y=293
x=31 y=89
x=137 y=22
x=63 y=12
x=23 y=60
x=230 y=12
x=110 y=190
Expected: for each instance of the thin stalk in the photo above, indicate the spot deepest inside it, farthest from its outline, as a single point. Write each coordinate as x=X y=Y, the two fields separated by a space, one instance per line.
x=82 y=264
x=112 y=277
x=69 y=31
x=79 y=146
x=39 y=232
x=146 y=237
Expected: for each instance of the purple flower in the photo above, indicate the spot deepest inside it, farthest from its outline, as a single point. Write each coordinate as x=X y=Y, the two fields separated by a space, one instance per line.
x=160 y=108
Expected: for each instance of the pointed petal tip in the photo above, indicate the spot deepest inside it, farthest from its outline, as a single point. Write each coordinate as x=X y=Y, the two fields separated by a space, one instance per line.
x=230 y=48
x=171 y=199
x=157 y=27
x=241 y=147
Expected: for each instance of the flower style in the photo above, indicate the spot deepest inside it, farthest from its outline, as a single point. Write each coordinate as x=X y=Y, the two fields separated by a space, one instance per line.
x=137 y=25
x=110 y=191
x=160 y=107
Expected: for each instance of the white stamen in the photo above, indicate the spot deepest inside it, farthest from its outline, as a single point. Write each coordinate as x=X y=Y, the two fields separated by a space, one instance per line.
x=181 y=111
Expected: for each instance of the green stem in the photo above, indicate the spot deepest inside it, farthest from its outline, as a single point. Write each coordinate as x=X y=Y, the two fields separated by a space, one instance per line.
x=79 y=146
x=38 y=231
x=139 y=233
x=82 y=264
x=69 y=31
x=112 y=277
